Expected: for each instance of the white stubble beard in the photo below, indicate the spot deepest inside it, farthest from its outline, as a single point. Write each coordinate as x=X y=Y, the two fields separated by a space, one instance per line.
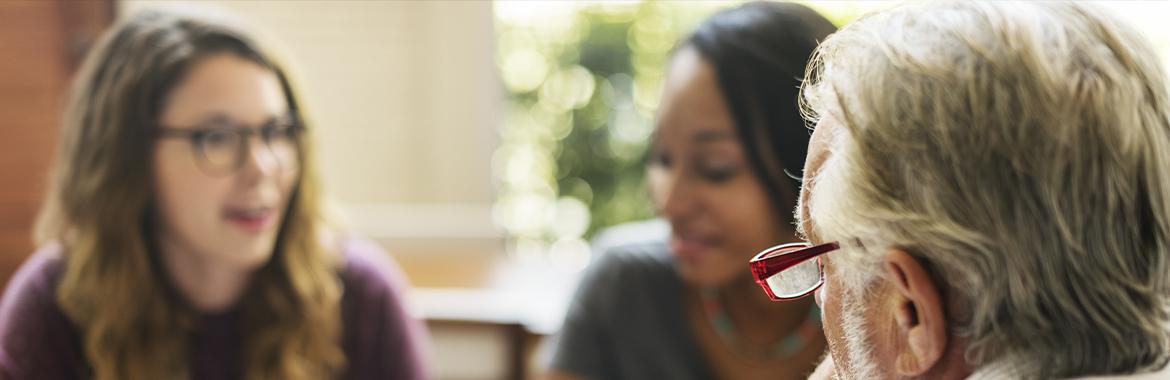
x=858 y=350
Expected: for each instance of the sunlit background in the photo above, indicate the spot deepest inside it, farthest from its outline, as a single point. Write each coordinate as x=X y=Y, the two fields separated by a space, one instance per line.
x=483 y=144
x=583 y=80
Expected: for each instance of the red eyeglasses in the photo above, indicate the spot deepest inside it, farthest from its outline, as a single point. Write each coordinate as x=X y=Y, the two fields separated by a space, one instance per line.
x=790 y=271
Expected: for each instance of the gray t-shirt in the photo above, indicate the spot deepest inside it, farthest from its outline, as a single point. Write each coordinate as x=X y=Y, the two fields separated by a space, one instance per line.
x=628 y=319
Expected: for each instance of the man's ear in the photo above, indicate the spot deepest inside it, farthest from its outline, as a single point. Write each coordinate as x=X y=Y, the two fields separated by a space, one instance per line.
x=918 y=311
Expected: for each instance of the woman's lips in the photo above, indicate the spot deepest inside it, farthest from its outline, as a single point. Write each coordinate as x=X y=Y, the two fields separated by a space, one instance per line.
x=252 y=220
x=688 y=248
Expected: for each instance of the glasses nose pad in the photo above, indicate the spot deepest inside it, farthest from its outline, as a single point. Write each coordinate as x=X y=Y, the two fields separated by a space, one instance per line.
x=271 y=151
x=248 y=151
x=243 y=151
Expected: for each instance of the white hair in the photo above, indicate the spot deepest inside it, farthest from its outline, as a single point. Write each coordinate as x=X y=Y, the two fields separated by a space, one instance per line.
x=1021 y=151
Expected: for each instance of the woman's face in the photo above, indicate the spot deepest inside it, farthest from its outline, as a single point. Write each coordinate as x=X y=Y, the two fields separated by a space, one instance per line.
x=701 y=181
x=215 y=214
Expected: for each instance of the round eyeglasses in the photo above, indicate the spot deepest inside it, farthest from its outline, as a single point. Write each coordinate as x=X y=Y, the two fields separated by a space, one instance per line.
x=222 y=148
x=790 y=271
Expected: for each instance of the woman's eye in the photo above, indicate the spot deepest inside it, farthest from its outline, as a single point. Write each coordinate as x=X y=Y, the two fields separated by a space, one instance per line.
x=216 y=138
x=275 y=133
x=283 y=130
x=718 y=172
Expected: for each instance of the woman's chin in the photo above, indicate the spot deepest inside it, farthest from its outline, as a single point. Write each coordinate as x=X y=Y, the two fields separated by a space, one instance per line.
x=251 y=256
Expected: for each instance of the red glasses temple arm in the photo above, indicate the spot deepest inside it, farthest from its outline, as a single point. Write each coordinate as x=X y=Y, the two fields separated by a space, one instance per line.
x=772 y=265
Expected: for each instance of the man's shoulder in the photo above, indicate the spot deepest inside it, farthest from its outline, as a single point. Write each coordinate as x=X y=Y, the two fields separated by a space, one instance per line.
x=1001 y=370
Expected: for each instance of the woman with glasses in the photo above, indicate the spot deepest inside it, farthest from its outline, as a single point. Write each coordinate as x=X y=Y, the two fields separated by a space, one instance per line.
x=729 y=139
x=183 y=232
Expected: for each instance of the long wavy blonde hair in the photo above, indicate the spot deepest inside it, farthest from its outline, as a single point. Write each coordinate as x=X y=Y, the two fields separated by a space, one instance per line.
x=100 y=209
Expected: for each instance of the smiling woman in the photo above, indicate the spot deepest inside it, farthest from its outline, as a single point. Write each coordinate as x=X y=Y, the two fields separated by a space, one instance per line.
x=728 y=133
x=183 y=236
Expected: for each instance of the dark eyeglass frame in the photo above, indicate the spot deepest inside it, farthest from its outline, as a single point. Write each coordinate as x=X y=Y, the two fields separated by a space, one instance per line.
x=774 y=260
x=196 y=135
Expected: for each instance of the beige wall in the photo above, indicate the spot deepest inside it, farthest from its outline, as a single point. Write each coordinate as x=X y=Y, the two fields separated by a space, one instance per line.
x=406 y=100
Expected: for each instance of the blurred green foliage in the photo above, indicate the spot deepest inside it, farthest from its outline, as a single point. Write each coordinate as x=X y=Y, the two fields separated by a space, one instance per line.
x=583 y=81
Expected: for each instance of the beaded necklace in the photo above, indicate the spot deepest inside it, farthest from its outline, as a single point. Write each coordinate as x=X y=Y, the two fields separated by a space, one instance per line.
x=790 y=345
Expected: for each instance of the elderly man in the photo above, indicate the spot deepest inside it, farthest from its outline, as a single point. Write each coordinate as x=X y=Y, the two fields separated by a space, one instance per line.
x=987 y=192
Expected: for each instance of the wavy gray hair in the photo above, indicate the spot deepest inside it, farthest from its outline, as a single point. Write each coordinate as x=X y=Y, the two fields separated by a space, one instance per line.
x=1022 y=152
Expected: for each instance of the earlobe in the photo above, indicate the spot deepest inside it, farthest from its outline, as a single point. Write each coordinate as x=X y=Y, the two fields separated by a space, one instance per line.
x=918 y=314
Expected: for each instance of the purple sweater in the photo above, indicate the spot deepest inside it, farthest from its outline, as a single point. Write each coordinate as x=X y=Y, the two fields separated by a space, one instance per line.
x=380 y=340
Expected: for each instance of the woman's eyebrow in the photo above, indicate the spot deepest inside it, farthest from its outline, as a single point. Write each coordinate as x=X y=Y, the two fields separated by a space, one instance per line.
x=708 y=135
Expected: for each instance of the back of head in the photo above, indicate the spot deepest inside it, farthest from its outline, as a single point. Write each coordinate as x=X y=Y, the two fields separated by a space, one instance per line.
x=759 y=51
x=1021 y=151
